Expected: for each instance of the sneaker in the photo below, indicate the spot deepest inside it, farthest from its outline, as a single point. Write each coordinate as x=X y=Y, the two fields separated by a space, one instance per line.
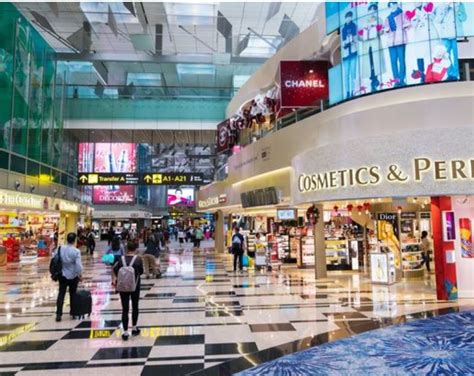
x=58 y=318
x=125 y=336
x=136 y=332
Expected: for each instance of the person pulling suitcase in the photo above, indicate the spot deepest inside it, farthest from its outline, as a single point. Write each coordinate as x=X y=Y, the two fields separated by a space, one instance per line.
x=66 y=268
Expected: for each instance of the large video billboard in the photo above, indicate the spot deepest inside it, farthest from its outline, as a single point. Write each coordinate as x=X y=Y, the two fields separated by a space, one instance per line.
x=114 y=157
x=392 y=44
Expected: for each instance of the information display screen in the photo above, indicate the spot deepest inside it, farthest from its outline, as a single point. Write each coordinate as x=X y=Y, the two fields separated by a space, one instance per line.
x=181 y=197
x=387 y=45
x=286 y=214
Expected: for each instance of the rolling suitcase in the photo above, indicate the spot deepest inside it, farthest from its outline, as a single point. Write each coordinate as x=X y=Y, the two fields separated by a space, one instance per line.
x=81 y=304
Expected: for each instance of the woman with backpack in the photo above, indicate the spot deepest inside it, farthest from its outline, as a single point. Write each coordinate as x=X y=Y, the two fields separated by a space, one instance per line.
x=128 y=270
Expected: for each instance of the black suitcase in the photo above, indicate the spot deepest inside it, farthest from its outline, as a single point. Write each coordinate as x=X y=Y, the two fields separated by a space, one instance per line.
x=81 y=304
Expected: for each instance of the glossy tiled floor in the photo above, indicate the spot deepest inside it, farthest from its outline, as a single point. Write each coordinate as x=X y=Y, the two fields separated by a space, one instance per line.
x=199 y=318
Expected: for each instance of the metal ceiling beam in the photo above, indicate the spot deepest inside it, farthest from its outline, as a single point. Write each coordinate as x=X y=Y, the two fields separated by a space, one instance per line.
x=145 y=58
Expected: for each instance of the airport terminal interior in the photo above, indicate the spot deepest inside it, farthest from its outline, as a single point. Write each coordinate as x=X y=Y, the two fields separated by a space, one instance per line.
x=250 y=188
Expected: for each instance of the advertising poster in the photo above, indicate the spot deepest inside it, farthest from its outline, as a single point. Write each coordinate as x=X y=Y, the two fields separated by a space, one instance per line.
x=181 y=197
x=86 y=157
x=223 y=136
x=389 y=234
x=465 y=230
x=393 y=44
x=114 y=157
x=303 y=83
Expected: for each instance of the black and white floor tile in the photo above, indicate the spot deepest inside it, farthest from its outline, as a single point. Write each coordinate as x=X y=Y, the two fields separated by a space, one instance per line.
x=199 y=318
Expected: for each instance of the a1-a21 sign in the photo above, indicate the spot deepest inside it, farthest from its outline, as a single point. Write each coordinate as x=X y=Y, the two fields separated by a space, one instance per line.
x=133 y=178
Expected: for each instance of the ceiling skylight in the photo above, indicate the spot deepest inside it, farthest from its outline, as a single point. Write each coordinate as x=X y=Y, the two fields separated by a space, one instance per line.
x=98 y=12
x=196 y=69
x=144 y=79
x=257 y=47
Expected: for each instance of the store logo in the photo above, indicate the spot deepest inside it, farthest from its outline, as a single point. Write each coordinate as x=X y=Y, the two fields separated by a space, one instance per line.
x=210 y=201
x=305 y=83
x=365 y=176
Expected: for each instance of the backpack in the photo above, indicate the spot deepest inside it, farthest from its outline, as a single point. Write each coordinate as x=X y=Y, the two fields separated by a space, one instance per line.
x=236 y=244
x=126 y=281
x=56 y=266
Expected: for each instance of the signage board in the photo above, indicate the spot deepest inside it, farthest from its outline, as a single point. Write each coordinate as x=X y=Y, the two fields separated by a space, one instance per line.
x=133 y=178
x=303 y=83
x=169 y=178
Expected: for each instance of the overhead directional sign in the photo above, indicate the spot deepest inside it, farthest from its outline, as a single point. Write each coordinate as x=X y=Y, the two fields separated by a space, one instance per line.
x=109 y=178
x=172 y=178
x=132 y=178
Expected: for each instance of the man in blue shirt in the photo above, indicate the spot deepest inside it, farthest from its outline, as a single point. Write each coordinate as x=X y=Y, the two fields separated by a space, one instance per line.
x=72 y=272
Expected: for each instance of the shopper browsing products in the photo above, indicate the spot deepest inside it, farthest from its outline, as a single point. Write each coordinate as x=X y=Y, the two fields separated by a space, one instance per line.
x=238 y=249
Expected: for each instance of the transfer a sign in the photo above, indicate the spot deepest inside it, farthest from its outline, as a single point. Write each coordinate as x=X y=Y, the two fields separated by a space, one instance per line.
x=108 y=179
x=148 y=178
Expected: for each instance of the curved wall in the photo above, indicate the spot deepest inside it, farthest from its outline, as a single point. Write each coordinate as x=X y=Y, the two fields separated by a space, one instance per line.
x=409 y=112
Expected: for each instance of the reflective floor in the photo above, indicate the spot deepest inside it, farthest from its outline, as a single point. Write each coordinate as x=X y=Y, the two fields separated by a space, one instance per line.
x=201 y=317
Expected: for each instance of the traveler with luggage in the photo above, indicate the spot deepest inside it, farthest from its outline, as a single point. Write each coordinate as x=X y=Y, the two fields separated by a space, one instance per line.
x=238 y=249
x=128 y=270
x=149 y=257
x=66 y=268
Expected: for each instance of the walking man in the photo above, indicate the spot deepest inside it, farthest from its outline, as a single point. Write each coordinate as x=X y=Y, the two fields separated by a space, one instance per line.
x=71 y=272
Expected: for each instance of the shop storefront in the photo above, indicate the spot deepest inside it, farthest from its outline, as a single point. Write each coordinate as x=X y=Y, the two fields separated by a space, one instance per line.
x=119 y=220
x=376 y=172
x=31 y=224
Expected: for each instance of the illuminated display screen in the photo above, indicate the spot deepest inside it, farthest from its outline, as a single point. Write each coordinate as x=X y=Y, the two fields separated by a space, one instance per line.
x=386 y=45
x=114 y=157
x=181 y=197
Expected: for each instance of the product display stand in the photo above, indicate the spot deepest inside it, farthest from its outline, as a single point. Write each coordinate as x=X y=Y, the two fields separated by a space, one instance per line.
x=412 y=257
x=382 y=265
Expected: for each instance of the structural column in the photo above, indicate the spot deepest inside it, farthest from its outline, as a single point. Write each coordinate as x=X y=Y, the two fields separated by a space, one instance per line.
x=319 y=246
x=219 y=236
x=445 y=269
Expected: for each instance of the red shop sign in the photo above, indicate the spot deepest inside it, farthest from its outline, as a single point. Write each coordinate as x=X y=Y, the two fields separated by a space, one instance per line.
x=303 y=83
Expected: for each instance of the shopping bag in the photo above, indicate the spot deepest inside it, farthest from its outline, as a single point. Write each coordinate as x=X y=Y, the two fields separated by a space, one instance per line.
x=108 y=259
x=245 y=260
x=251 y=262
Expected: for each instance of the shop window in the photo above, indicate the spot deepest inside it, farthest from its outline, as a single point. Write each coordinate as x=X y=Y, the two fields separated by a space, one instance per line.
x=64 y=179
x=33 y=169
x=56 y=175
x=4 y=160
x=18 y=164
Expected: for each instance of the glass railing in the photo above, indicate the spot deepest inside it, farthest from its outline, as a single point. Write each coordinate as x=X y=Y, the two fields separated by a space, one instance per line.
x=147 y=92
x=247 y=137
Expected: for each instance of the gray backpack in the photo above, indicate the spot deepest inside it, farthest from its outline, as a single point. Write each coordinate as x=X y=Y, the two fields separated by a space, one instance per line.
x=126 y=281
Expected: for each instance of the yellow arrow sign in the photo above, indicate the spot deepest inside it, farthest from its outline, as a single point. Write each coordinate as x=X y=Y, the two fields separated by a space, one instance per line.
x=147 y=178
x=83 y=179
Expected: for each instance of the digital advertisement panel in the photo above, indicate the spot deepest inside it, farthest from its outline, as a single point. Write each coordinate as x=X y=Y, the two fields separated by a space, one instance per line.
x=114 y=157
x=180 y=197
x=86 y=157
x=393 y=44
x=303 y=83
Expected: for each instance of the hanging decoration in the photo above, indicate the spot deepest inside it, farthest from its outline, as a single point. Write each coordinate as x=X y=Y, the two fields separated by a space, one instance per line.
x=312 y=215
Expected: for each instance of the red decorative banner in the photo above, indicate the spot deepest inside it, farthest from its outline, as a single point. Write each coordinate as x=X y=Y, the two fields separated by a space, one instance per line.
x=303 y=83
